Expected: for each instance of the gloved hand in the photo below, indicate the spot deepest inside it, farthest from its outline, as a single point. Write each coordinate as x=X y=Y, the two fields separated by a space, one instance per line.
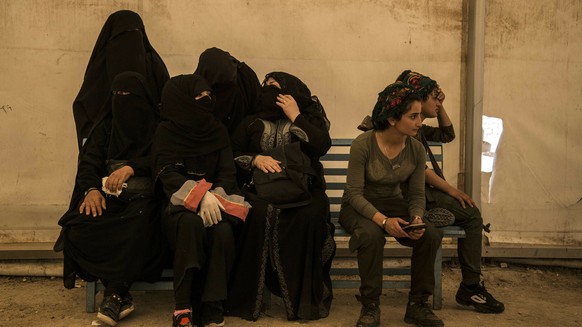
x=210 y=210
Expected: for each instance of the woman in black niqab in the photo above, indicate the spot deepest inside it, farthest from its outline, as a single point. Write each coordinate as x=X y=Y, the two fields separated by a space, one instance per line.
x=105 y=237
x=195 y=170
x=121 y=46
x=287 y=250
x=234 y=85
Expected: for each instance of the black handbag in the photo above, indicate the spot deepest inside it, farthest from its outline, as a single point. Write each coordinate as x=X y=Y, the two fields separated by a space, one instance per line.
x=290 y=187
x=137 y=187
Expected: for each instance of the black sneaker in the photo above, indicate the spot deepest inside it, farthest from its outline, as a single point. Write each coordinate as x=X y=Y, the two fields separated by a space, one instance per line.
x=440 y=217
x=212 y=314
x=109 y=309
x=369 y=315
x=183 y=320
x=126 y=306
x=479 y=298
x=420 y=314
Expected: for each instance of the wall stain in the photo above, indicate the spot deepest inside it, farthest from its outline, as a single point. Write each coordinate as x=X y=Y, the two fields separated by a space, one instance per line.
x=510 y=25
x=6 y=108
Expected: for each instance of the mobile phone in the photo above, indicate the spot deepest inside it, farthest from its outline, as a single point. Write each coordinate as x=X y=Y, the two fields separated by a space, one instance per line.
x=411 y=227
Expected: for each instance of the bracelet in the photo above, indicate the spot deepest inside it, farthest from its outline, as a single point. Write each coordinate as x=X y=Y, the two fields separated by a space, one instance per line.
x=89 y=190
x=384 y=222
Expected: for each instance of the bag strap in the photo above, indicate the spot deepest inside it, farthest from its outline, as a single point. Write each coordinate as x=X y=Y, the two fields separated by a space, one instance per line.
x=435 y=165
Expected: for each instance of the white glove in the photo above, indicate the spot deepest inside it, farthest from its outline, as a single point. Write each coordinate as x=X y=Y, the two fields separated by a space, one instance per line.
x=210 y=209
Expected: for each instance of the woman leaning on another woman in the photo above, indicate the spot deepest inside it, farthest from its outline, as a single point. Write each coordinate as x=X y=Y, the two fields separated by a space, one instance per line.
x=288 y=251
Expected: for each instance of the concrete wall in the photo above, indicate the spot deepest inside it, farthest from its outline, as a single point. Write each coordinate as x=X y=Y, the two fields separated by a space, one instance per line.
x=345 y=51
x=533 y=81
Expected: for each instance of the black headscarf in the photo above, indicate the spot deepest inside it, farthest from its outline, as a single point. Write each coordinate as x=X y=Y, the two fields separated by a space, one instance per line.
x=290 y=85
x=234 y=85
x=121 y=46
x=134 y=117
x=188 y=128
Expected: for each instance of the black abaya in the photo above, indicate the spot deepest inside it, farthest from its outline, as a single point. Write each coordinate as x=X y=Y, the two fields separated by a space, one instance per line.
x=287 y=250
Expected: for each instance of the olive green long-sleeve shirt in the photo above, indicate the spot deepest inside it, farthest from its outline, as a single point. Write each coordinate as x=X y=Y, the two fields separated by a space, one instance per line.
x=371 y=178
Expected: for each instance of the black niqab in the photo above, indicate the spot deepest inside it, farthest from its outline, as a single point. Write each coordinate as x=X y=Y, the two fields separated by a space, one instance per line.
x=188 y=128
x=122 y=46
x=290 y=85
x=234 y=85
x=133 y=117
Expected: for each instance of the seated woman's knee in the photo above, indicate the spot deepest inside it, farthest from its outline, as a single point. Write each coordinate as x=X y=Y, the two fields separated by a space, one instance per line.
x=433 y=235
x=191 y=221
x=222 y=232
x=370 y=237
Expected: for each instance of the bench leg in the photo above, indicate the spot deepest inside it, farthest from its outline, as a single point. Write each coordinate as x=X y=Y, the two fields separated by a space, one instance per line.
x=437 y=296
x=91 y=291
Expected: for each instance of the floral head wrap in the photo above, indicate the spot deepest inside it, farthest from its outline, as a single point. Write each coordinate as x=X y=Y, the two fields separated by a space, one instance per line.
x=421 y=83
x=392 y=102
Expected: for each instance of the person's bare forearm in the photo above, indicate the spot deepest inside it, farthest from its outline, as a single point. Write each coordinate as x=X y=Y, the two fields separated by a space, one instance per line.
x=434 y=180
x=443 y=117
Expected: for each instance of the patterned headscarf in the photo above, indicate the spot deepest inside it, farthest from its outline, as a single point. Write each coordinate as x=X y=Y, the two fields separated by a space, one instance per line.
x=421 y=83
x=391 y=103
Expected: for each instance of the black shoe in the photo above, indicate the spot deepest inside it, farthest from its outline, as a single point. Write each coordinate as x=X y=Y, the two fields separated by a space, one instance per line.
x=420 y=314
x=109 y=309
x=440 y=217
x=212 y=314
x=126 y=306
x=183 y=320
x=369 y=315
x=479 y=298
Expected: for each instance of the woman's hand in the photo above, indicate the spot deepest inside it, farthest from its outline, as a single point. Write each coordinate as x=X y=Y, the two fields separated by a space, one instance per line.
x=267 y=164
x=289 y=106
x=440 y=95
x=417 y=233
x=118 y=177
x=392 y=227
x=462 y=197
x=93 y=204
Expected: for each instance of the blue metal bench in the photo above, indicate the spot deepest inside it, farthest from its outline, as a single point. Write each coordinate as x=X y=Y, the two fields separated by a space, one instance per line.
x=335 y=164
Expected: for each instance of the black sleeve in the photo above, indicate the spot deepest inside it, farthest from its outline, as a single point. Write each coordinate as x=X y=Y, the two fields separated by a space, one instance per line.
x=226 y=172
x=316 y=127
x=241 y=151
x=92 y=161
x=141 y=166
x=443 y=134
x=172 y=177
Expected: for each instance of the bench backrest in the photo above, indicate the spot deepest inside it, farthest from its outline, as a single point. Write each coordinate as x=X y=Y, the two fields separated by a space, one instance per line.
x=335 y=164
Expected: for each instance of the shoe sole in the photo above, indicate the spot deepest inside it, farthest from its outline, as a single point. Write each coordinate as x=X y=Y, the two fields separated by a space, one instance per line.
x=440 y=217
x=125 y=312
x=476 y=307
x=106 y=319
x=214 y=324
